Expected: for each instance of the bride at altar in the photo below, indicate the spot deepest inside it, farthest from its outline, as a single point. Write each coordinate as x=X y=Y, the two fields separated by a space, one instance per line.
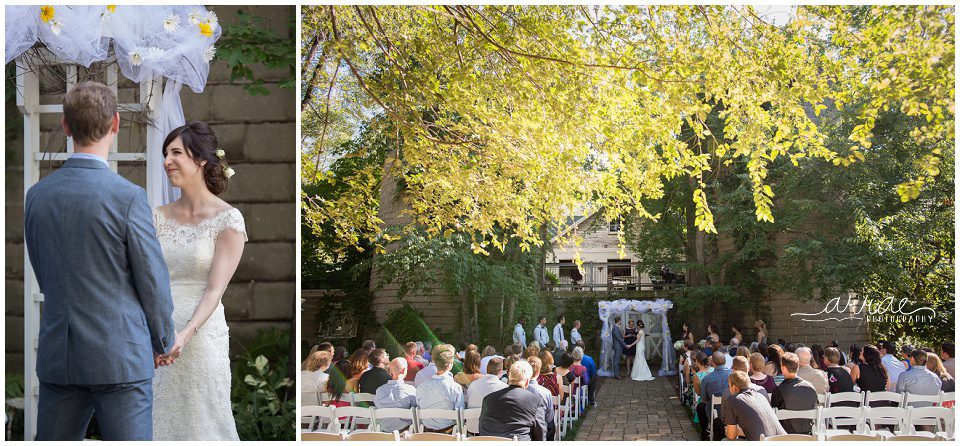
x=640 y=372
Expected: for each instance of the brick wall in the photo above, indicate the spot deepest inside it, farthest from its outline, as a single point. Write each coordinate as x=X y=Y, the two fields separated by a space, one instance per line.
x=259 y=136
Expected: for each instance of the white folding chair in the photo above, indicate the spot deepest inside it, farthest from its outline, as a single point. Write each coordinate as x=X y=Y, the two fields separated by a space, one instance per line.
x=853 y=437
x=844 y=397
x=947 y=396
x=381 y=414
x=809 y=414
x=309 y=398
x=429 y=436
x=912 y=438
x=362 y=400
x=576 y=398
x=556 y=417
x=486 y=438
x=921 y=400
x=941 y=419
x=471 y=421
x=356 y=416
x=374 y=436
x=830 y=419
x=877 y=417
x=438 y=414
x=321 y=436
x=317 y=416
x=875 y=397
x=567 y=410
x=788 y=437
x=714 y=402
x=821 y=399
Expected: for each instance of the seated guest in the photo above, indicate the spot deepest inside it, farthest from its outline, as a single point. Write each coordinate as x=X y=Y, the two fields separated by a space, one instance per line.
x=712 y=384
x=487 y=384
x=340 y=358
x=772 y=367
x=756 y=373
x=577 y=370
x=919 y=380
x=934 y=365
x=369 y=345
x=743 y=351
x=396 y=394
x=854 y=357
x=906 y=351
x=746 y=413
x=337 y=387
x=728 y=358
x=377 y=375
x=548 y=378
x=545 y=395
x=838 y=377
x=507 y=363
x=807 y=373
x=315 y=377
x=533 y=350
x=741 y=364
x=794 y=394
x=471 y=369
x=843 y=356
x=425 y=349
x=422 y=357
x=321 y=347
x=701 y=369
x=561 y=348
x=410 y=354
x=946 y=354
x=591 y=367
x=817 y=360
x=870 y=375
x=893 y=365
x=440 y=391
x=488 y=353
x=514 y=411
x=359 y=364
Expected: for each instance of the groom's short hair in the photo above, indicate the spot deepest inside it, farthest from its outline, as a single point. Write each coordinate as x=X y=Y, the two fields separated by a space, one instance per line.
x=89 y=109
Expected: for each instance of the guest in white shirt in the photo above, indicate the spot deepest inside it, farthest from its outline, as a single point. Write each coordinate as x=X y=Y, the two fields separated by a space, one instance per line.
x=489 y=383
x=489 y=352
x=315 y=376
x=893 y=365
x=540 y=332
x=575 y=333
x=440 y=391
x=396 y=394
x=519 y=335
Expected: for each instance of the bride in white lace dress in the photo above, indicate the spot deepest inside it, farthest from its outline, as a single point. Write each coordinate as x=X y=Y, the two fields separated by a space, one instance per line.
x=202 y=239
x=641 y=372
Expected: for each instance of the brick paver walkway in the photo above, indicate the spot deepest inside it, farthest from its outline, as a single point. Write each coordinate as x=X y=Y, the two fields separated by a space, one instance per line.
x=637 y=410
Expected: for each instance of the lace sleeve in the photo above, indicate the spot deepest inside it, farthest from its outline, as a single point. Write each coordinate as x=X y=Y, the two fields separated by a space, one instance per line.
x=233 y=219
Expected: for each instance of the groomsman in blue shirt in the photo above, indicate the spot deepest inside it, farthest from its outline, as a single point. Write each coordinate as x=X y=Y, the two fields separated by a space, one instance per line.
x=558 y=330
x=540 y=332
x=519 y=335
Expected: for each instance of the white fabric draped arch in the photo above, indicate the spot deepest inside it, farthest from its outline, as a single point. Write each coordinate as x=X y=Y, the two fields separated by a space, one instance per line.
x=175 y=42
x=611 y=309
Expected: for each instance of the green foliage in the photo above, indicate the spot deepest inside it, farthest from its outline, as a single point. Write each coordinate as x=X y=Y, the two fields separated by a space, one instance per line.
x=251 y=42
x=263 y=396
x=406 y=324
x=14 y=389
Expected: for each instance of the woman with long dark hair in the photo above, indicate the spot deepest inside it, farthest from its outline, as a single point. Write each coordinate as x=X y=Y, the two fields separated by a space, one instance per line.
x=712 y=334
x=772 y=367
x=870 y=374
x=854 y=356
x=818 y=361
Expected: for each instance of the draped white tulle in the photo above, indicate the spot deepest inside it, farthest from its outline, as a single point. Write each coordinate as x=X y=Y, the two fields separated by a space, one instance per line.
x=173 y=42
x=191 y=398
x=609 y=309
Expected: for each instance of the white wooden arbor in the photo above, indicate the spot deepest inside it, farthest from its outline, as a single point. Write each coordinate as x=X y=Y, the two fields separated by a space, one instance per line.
x=29 y=103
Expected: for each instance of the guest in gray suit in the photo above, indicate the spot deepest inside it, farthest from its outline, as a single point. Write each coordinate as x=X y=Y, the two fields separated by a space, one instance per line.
x=618 y=346
x=107 y=314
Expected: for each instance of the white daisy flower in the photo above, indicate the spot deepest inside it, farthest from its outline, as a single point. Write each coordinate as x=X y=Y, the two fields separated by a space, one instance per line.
x=172 y=23
x=55 y=26
x=195 y=16
x=136 y=57
x=220 y=153
x=153 y=53
x=228 y=172
x=211 y=19
x=209 y=52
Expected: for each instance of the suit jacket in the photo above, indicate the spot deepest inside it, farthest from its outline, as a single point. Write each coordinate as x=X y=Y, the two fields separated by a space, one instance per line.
x=513 y=411
x=107 y=306
x=618 y=343
x=372 y=379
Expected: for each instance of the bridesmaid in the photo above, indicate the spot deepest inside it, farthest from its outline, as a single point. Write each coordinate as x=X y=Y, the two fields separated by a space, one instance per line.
x=629 y=337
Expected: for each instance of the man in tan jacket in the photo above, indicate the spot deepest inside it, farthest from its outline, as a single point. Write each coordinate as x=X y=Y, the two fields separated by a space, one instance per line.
x=807 y=373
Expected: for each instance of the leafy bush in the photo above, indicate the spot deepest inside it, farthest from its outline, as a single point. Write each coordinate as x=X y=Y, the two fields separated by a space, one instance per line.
x=14 y=389
x=263 y=396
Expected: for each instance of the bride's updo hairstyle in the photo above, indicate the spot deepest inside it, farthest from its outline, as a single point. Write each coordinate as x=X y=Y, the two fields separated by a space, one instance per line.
x=201 y=143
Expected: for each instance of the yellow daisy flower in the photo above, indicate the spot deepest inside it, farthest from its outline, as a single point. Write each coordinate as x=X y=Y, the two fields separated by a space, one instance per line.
x=46 y=13
x=206 y=29
x=112 y=8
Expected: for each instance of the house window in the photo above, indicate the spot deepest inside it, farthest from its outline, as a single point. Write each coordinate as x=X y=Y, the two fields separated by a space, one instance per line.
x=618 y=268
x=614 y=227
x=569 y=273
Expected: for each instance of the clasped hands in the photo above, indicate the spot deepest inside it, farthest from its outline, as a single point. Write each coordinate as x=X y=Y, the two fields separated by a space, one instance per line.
x=183 y=337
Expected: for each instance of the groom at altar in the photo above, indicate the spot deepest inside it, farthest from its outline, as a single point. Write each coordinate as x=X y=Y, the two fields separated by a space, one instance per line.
x=108 y=312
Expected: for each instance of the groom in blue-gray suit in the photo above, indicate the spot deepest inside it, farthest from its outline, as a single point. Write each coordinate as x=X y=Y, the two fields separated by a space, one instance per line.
x=107 y=313
x=618 y=346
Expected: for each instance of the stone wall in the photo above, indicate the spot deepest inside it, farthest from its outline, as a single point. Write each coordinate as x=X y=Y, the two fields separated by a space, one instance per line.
x=259 y=135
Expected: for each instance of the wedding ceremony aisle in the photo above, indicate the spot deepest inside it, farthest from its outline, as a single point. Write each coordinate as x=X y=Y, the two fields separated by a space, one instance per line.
x=632 y=410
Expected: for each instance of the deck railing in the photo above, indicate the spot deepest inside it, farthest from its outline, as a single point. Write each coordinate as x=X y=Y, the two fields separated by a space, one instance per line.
x=609 y=276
